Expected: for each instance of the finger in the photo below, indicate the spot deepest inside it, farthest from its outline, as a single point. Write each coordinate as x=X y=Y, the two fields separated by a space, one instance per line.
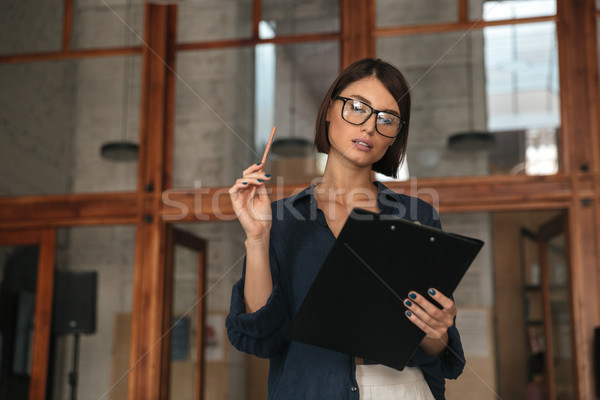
x=430 y=331
x=262 y=191
x=429 y=306
x=238 y=186
x=259 y=175
x=242 y=184
x=252 y=181
x=422 y=315
x=251 y=169
x=441 y=315
x=444 y=301
x=418 y=322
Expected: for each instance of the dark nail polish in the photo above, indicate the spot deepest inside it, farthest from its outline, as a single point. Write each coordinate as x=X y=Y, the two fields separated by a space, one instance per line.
x=412 y=296
x=244 y=183
x=432 y=292
x=408 y=313
x=268 y=175
x=260 y=180
x=258 y=163
x=408 y=303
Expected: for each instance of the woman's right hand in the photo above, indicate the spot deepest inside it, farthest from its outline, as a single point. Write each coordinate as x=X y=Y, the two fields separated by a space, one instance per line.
x=251 y=202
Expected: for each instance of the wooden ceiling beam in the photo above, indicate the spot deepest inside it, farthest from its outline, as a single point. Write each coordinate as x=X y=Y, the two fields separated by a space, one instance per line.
x=69 y=55
x=67 y=210
x=489 y=193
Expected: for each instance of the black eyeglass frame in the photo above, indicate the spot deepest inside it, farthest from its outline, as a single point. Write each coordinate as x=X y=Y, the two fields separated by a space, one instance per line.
x=373 y=111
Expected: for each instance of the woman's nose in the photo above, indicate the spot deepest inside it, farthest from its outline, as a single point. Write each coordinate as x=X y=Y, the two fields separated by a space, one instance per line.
x=369 y=125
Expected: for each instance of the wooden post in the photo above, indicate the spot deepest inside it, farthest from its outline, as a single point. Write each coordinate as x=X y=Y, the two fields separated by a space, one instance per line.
x=580 y=140
x=156 y=130
x=358 y=23
x=43 y=315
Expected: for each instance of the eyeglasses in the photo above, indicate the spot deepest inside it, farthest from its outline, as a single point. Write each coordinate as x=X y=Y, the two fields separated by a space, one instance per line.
x=357 y=113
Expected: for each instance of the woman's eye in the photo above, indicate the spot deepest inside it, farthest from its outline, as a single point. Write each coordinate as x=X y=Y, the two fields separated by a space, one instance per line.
x=357 y=107
x=385 y=121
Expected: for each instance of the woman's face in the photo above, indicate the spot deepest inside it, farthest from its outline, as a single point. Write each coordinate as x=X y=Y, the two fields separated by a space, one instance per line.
x=360 y=145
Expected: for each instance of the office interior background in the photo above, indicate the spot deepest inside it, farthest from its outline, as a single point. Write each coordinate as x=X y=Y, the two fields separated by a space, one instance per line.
x=124 y=122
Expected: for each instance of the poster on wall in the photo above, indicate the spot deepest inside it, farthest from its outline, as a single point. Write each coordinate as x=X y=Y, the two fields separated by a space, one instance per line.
x=214 y=337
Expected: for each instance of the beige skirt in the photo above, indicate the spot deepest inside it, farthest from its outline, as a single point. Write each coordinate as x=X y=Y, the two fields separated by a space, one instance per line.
x=378 y=382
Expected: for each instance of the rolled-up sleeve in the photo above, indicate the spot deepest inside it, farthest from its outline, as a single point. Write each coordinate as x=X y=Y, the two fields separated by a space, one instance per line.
x=261 y=333
x=449 y=364
x=453 y=357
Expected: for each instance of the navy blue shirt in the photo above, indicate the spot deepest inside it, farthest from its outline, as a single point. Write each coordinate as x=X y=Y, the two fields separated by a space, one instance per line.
x=299 y=243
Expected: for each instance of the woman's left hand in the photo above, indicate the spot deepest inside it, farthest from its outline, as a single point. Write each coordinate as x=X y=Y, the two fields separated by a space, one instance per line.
x=430 y=319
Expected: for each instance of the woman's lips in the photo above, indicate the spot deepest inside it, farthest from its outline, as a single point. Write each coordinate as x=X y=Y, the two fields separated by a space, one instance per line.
x=363 y=145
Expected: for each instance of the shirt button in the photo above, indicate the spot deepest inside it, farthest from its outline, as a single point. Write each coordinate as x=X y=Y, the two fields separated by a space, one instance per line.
x=354 y=388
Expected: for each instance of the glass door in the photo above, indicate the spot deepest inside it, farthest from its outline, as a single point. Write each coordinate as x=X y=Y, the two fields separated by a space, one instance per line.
x=560 y=363
x=26 y=285
x=185 y=269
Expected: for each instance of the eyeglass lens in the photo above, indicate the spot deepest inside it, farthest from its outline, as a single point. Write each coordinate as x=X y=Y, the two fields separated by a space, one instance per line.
x=358 y=113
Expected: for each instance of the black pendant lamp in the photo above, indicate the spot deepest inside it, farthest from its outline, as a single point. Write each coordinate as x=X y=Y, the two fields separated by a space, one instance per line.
x=123 y=150
x=120 y=151
x=471 y=141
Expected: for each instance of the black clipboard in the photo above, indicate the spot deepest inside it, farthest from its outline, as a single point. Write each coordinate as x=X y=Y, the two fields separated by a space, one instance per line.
x=355 y=304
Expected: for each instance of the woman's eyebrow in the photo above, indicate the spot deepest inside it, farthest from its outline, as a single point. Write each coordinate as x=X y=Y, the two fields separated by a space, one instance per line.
x=360 y=98
x=366 y=101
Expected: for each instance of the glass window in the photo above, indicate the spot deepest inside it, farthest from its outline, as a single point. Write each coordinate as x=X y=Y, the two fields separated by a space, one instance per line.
x=88 y=257
x=523 y=92
x=289 y=17
x=200 y=21
x=213 y=116
x=494 y=10
x=406 y=12
x=101 y=24
x=484 y=102
x=18 y=282
x=30 y=26
x=108 y=97
x=228 y=100
x=57 y=115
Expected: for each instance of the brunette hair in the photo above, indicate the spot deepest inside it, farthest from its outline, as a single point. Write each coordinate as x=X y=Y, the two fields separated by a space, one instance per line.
x=395 y=83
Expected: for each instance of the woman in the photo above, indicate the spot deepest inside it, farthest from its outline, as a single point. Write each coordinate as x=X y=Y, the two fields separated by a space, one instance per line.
x=363 y=127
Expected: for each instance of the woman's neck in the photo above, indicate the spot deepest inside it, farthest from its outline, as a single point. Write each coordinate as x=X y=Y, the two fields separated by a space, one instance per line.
x=343 y=177
x=346 y=185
